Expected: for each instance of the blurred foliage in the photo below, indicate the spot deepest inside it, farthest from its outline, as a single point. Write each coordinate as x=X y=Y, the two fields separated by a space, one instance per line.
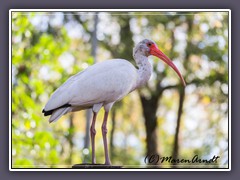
x=47 y=48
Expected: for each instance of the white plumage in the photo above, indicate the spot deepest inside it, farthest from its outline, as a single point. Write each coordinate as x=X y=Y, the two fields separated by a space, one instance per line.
x=103 y=84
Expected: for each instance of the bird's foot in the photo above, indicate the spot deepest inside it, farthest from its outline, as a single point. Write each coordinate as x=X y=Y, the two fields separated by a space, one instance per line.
x=108 y=163
x=94 y=161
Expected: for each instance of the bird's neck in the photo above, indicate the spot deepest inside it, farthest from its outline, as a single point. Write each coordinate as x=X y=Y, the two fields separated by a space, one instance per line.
x=144 y=70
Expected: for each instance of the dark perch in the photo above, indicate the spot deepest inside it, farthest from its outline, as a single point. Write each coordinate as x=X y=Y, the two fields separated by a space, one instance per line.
x=95 y=166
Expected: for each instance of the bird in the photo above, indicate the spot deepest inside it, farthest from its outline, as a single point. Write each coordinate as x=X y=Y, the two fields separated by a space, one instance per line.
x=101 y=85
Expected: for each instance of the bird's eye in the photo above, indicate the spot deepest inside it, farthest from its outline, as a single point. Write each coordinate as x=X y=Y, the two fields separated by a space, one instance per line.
x=149 y=44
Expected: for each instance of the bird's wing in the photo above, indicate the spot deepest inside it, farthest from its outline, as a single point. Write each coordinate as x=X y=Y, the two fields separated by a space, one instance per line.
x=62 y=94
x=107 y=81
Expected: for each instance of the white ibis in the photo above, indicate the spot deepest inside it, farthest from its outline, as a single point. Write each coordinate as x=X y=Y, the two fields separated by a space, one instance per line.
x=101 y=85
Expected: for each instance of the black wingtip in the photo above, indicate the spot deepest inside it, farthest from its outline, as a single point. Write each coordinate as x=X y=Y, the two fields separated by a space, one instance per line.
x=47 y=113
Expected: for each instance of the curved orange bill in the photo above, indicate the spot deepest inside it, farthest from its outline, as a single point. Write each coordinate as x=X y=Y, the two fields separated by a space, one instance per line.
x=156 y=52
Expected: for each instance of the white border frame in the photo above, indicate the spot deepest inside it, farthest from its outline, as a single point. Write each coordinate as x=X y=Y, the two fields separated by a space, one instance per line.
x=114 y=10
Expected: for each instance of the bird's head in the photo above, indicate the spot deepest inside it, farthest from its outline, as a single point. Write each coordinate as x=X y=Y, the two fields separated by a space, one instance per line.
x=147 y=47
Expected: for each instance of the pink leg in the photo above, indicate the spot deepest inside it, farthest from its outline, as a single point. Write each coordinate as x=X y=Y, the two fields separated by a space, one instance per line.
x=104 y=134
x=93 y=133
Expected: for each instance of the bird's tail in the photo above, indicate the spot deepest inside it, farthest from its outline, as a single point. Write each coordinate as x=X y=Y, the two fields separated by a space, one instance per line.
x=58 y=113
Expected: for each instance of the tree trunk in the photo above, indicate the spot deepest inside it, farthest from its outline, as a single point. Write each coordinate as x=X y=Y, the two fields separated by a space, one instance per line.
x=70 y=138
x=182 y=90
x=87 y=133
x=180 y=110
x=89 y=111
x=149 y=112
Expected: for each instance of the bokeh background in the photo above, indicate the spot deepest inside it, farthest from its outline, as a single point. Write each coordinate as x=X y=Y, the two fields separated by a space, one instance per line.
x=161 y=118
